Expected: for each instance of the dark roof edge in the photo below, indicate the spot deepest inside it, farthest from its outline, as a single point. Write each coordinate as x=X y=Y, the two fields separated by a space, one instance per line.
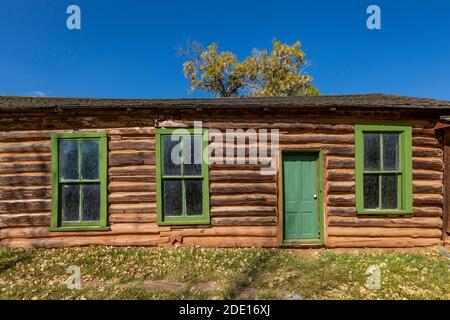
x=15 y=103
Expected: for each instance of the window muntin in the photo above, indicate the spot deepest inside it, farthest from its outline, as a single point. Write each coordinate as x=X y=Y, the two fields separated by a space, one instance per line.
x=383 y=169
x=79 y=181
x=182 y=177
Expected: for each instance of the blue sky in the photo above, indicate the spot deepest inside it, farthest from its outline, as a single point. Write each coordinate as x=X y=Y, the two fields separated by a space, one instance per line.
x=127 y=48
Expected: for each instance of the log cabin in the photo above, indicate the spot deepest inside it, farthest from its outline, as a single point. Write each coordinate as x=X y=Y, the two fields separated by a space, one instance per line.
x=329 y=171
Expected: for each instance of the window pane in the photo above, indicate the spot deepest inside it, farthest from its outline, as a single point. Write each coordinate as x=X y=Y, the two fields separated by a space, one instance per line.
x=89 y=159
x=68 y=159
x=91 y=202
x=371 y=151
x=172 y=156
x=192 y=152
x=371 y=191
x=390 y=151
x=172 y=197
x=193 y=190
x=389 y=191
x=70 y=202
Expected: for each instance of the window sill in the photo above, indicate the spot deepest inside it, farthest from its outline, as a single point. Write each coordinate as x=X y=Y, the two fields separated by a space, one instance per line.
x=184 y=222
x=384 y=212
x=78 y=228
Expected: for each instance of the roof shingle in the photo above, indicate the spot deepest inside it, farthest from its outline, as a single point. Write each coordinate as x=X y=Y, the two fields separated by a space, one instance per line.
x=359 y=100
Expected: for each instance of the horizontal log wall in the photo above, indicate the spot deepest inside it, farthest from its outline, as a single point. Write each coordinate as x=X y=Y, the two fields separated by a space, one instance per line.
x=244 y=203
x=242 y=197
x=424 y=227
x=25 y=191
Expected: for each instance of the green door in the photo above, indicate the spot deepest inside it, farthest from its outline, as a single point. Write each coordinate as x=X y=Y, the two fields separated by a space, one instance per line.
x=300 y=197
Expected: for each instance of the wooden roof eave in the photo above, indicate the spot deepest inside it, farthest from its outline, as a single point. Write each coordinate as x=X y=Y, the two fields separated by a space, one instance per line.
x=443 y=123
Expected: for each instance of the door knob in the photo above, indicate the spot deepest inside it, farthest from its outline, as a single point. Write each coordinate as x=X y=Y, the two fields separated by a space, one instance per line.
x=315 y=196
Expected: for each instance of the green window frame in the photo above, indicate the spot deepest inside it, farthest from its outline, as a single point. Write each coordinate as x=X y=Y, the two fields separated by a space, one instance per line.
x=162 y=178
x=79 y=141
x=399 y=170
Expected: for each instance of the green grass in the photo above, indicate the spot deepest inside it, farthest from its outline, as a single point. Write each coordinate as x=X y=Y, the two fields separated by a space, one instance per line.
x=119 y=273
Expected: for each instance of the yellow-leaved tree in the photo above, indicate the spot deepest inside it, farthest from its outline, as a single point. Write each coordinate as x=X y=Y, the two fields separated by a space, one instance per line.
x=278 y=73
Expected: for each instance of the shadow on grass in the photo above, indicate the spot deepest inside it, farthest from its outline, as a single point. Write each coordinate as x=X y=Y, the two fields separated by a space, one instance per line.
x=243 y=281
x=12 y=259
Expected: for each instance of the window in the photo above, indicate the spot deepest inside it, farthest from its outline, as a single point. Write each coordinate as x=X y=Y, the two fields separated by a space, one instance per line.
x=79 y=196
x=182 y=176
x=383 y=169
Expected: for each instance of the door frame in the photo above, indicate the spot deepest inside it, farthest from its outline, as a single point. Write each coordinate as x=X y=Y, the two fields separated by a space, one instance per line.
x=320 y=205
